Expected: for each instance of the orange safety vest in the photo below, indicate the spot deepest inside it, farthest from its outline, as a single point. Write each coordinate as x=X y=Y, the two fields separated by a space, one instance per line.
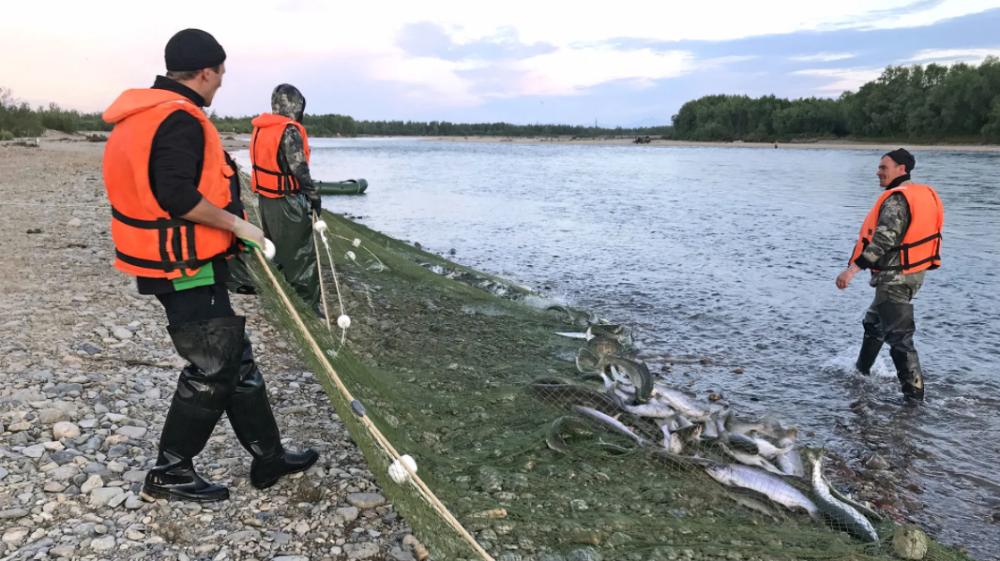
x=267 y=178
x=921 y=246
x=148 y=241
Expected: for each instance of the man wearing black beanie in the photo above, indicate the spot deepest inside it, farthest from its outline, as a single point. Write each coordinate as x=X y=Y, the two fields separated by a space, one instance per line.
x=899 y=241
x=174 y=228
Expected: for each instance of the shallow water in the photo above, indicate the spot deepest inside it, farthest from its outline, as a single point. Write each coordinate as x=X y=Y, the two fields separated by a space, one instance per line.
x=731 y=254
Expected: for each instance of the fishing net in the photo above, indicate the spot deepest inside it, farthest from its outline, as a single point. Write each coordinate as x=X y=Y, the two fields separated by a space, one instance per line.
x=547 y=447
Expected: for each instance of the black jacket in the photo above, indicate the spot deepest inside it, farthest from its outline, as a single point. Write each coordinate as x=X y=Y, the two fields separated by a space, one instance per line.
x=175 y=163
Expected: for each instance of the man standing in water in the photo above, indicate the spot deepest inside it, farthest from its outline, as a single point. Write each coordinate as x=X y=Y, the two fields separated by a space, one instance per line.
x=900 y=240
x=287 y=197
x=176 y=217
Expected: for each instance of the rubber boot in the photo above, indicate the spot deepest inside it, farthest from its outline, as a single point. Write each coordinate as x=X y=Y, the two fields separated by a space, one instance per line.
x=909 y=374
x=253 y=422
x=898 y=325
x=204 y=389
x=870 y=345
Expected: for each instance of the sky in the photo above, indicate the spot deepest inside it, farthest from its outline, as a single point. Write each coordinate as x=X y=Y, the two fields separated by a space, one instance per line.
x=539 y=61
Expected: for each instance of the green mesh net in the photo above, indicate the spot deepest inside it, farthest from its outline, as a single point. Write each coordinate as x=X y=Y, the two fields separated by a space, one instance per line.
x=506 y=421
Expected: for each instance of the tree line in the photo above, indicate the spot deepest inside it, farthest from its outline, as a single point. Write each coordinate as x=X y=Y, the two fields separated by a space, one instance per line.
x=917 y=103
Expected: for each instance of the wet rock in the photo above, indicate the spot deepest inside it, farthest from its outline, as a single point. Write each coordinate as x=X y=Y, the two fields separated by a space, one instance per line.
x=909 y=542
x=65 y=429
x=877 y=462
x=365 y=501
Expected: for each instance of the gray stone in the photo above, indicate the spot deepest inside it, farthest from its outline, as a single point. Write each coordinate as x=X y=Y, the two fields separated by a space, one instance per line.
x=91 y=349
x=63 y=473
x=133 y=503
x=585 y=554
x=13 y=513
x=365 y=501
x=15 y=535
x=94 y=482
x=361 y=550
x=117 y=500
x=103 y=544
x=281 y=538
x=118 y=451
x=65 y=429
x=122 y=333
x=63 y=457
x=3 y=474
x=399 y=554
x=134 y=476
x=66 y=551
x=34 y=452
x=291 y=558
x=53 y=415
x=54 y=487
x=349 y=513
x=245 y=535
x=103 y=496
x=134 y=433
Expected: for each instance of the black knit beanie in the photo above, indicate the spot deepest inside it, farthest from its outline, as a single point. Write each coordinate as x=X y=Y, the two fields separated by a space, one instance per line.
x=903 y=158
x=193 y=49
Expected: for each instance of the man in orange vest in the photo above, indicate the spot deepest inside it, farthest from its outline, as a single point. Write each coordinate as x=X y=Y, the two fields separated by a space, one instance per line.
x=286 y=195
x=899 y=241
x=176 y=218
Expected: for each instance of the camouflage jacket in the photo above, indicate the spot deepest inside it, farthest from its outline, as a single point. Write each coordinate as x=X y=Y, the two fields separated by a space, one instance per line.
x=292 y=159
x=893 y=221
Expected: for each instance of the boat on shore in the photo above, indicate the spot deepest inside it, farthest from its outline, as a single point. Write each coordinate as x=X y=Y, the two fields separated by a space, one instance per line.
x=349 y=187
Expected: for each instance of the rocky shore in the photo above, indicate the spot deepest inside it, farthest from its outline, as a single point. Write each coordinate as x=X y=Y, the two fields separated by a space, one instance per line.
x=86 y=375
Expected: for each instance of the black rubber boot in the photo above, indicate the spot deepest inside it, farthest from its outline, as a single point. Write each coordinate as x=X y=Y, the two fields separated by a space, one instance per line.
x=909 y=374
x=204 y=389
x=871 y=344
x=253 y=422
x=898 y=325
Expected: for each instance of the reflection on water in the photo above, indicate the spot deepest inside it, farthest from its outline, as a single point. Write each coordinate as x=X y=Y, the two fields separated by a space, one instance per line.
x=731 y=254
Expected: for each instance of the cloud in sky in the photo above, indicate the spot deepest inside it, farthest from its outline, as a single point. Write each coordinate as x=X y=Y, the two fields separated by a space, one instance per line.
x=524 y=61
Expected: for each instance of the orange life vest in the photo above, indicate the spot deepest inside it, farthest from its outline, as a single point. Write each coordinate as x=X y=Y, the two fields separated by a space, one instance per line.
x=267 y=178
x=921 y=246
x=148 y=241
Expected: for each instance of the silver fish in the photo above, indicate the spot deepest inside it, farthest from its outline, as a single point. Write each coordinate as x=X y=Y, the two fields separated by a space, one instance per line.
x=682 y=403
x=741 y=443
x=656 y=409
x=636 y=373
x=863 y=508
x=791 y=461
x=750 y=459
x=710 y=429
x=612 y=422
x=767 y=450
x=774 y=488
x=843 y=516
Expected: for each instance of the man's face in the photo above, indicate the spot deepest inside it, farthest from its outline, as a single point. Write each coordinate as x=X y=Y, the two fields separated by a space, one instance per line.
x=888 y=170
x=212 y=82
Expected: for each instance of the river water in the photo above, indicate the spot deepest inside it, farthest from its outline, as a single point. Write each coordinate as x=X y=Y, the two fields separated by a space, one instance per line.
x=731 y=254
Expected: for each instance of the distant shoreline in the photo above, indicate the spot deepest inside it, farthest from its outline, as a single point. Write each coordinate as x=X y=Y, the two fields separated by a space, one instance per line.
x=819 y=145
